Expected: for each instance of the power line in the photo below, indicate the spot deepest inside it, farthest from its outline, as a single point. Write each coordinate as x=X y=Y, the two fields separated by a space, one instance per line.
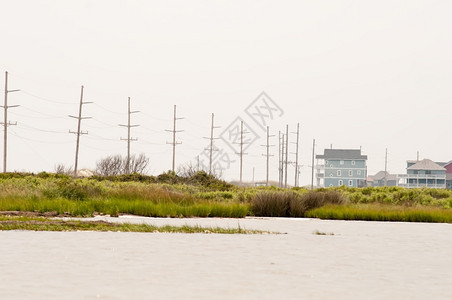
x=47 y=99
x=41 y=113
x=109 y=110
x=37 y=141
x=27 y=127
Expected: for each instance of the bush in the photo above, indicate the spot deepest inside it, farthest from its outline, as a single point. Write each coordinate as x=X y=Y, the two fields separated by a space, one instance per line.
x=291 y=204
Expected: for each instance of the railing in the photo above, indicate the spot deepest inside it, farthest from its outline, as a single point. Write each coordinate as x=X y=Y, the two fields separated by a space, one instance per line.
x=423 y=176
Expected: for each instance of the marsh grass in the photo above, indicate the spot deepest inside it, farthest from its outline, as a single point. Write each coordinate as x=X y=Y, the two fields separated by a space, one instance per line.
x=46 y=224
x=399 y=196
x=84 y=197
x=381 y=212
x=63 y=195
x=292 y=203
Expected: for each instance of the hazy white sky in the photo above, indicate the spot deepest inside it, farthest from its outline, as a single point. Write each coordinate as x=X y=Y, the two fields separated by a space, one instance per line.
x=375 y=74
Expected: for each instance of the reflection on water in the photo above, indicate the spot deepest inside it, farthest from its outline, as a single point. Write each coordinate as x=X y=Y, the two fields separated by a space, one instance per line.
x=360 y=260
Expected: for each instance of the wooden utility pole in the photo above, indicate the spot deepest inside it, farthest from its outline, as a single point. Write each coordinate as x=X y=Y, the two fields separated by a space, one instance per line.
x=79 y=132
x=174 y=143
x=312 y=167
x=279 y=158
x=386 y=167
x=281 y=169
x=5 y=122
x=241 y=153
x=268 y=152
x=296 y=156
x=287 y=156
x=211 y=149
x=128 y=139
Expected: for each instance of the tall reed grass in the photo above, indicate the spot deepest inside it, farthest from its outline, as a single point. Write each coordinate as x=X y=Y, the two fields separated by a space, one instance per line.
x=292 y=203
x=380 y=212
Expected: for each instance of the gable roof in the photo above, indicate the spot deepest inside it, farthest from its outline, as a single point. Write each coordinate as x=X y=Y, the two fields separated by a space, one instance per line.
x=381 y=176
x=447 y=164
x=342 y=154
x=426 y=164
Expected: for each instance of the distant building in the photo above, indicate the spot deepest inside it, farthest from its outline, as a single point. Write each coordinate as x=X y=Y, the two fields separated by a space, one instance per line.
x=425 y=173
x=382 y=178
x=448 y=167
x=337 y=167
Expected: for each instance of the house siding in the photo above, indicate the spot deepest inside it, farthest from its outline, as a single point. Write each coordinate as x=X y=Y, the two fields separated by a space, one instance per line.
x=348 y=172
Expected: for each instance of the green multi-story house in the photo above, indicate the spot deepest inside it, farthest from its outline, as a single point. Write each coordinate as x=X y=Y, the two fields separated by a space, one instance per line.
x=337 y=167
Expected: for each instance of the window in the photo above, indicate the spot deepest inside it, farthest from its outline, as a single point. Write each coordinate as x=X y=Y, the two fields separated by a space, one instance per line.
x=340 y=183
x=342 y=162
x=350 y=172
x=326 y=162
x=358 y=172
x=339 y=173
x=350 y=183
x=353 y=162
x=331 y=165
x=331 y=174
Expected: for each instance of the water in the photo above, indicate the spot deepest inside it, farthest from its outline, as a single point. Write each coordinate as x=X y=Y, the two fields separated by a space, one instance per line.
x=361 y=260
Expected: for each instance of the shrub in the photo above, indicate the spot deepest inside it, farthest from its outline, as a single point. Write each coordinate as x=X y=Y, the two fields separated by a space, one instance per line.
x=291 y=204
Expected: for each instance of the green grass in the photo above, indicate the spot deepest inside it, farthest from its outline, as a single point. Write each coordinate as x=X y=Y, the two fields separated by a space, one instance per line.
x=46 y=224
x=380 y=212
x=201 y=196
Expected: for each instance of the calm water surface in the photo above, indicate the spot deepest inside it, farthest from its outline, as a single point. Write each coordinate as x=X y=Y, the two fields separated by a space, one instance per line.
x=361 y=260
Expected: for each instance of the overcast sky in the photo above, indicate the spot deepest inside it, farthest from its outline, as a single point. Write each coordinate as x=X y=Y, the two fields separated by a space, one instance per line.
x=370 y=74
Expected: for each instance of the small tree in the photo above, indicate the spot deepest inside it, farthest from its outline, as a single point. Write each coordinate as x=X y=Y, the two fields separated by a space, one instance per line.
x=137 y=164
x=116 y=165
x=62 y=169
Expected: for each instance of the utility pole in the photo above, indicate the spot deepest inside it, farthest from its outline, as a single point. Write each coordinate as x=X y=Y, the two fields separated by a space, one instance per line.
x=241 y=153
x=287 y=156
x=281 y=168
x=296 y=155
x=5 y=123
x=279 y=158
x=312 y=167
x=79 y=132
x=268 y=152
x=174 y=143
x=211 y=144
x=128 y=139
x=386 y=166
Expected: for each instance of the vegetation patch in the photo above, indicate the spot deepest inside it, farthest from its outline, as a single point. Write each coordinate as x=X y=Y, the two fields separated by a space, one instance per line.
x=317 y=232
x=292 y=203
x=46 y=224
x=198 y=194
x=380 y=212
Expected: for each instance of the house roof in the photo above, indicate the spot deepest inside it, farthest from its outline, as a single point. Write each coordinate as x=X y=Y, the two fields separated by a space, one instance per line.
x=342 y=154
x=446 y=164
x=426 y=164
x=381 y=176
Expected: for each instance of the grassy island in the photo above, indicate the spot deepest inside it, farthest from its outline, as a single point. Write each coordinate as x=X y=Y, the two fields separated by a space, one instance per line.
x=202 y=195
